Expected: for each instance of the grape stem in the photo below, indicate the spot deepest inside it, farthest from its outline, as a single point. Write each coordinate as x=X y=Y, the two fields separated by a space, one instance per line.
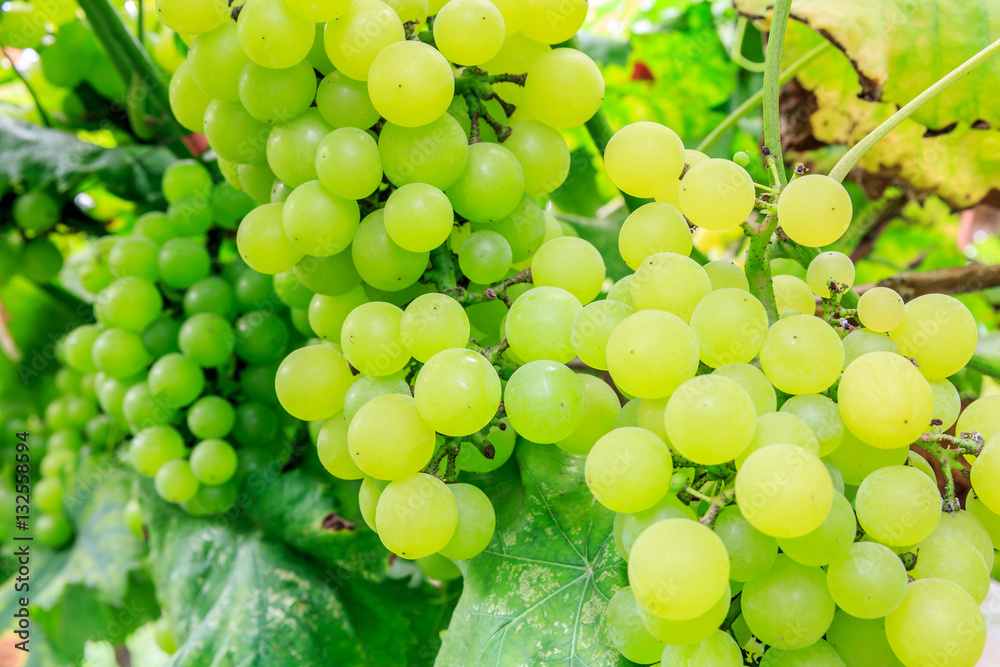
x=772 y=89
x=759 y=264
x=715 y=505
x=947 y=456
x=493 y=353
x=31 y=91
x=449 y=450
x=491 y=293
x=480 y=440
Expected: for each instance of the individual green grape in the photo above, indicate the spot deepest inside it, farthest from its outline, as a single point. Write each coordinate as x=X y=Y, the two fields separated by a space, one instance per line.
x=860 y=642
x=491 y=186
x=435 y=154
x=290 y=290
x=524 y=229
x=188 y=102
x=183 y=262
x=476 y=523
x=640 y=158
x=857 y=460
x=234 y=134
x=862 y=341
x=751 y=552
x=327 y=313
x=348 y=163
x=792 y=293
x=820 y=654
x=129 y=303
x=216 y=60
x=600 y=410
x=687 y=632
x=141 y=410
x=191 y=17
x=784 y=491
x=207 y=339
x=828 y=267
x=678 y=569
x=927 y=623
x=828 y=543
x=344 y=102
x=332 y=450
x=469 y=32
x=544 y=401
x=822 y=416
x=982 y=416
x=788 y=607
x=710 y=403
x=814 y=210
x=416 y=516
x=898 y=505
x=671 y=282
x=631 y=526
x=371 y=339
x=134 y=256
x=263 y=243
x=964 y=525
x=621 y=291
x=539 y=322
x=354 y=39
x=915 y=460
x=211 y=417
x=730 y=325
x=261 y=337
x=35 y=211
x=175 y=482
x=119 y=353
x=175 y=380
x=939 y=333
x=572 y=264
x=292 y=147
x=627 y=631
x=651 y=229
x=629 y=469
x=724 y=274
x=381 y=262
x=48 y=495
x=256 y=425
x=276 y=95
x=554 y=22
x=388 y=439
x=717 y=194
x=802 y=354
x=651 y=353
x=947 y=402
x=213 y=462
x=433 y=323
x=329 y=276
x=592 y=328
x=319 y=11
x=564 y=87
x=312 y=381
x=418 y=217
x=754 y=382
x=779 y=428
x=410 y=83
x=315 y=221
x=76 y=347
x=154 y=446
x=368 y=496
x=880 y=309
x=252 y=289
x=954 y=560
x=53 y=530
x=272 y=35
x=717 y=650
x=885 y=401
x=457 y=392
x=485 y=257
x=257 y=180
x=40 y=260
x=542 y=152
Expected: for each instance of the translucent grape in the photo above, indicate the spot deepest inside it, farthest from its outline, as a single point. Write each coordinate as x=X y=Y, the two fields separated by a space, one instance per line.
x=802 y=354
x=211 y=417
x=368 y=496
x=571 y=263
x=600 y=410
x=640 y=158
x=784 y=491
x=491 y=186
x=954 y=560
x=257 y=180
x=175 y=482
x=319 y=11
x=276 y=95
x=592 y=328
x=544 y=401
x=418 y=217
x=263 y=243
x=371 y=339
x=77 y=345
x=751 y=552
x=651 y=353
x=730 y=325
x=380 y=261
x=457 y=392
x=366 y=387
x=820 y=654
x=130 y=303
x=216 y=60
x=260 y=337
x=175 y=380
x=416 y=516
x=814 y=210
x=435 y=154
x=719 y=649
x=190 y=216
x=880 y=309
x=354 y=39
x=293 y=145
x=724 y=274
x=982 y=416
x=213 y=462
x=830 y=266
x=564 y=87
x=316 y=221
x=629 y=469
x=926 y=626
x=779 y=428
x=710 y=403
x=410 y=83
x=651 y=229
x=524 y=229
x=627 y=631
x=947 y=402
x=822 y=416
x=388 y=439
x=330 y=276
x=754 y=383
x=134 y=256
x=234 y=134
x=687 y=632
x=344 y=102
x=898 y=505
x=789 y=607
x=628 y=527
x=332 y=449
x=831 y=541
x=469 y=32
x=432 y=323
x=476 y=523
x=671 y=282
x=191 y=16
x=539 y=322
x=717 y=194
x=542 y=152
x=119 y=353
x=485 y=257
x=207 y=339
x=312 y=381
x=862 y=341
x=274 y=36
x=791 y=293
x=861 y=642
x=621 y=292
x=939 y=333
x=327 y=313
x=985 y=473
x=154 y=446
x=554 y=22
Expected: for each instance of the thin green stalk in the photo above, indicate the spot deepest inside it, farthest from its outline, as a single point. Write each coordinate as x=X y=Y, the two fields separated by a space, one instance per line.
x=736 y=51
x=772 y=84
x=985 y=366
x=851 y=158
x=31 y=91
x=758 y=266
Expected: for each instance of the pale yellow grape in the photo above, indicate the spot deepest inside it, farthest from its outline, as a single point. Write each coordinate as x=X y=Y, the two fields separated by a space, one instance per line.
x=388 y=439
x=572 y=264
x=191 y=18
x=318 y=222
x=719 y=649
x=621 y=292
x=353 y=40
x=938 y=624
x=629 y=469
x=592 y=328
x=433 y=323
x=956 y=561
x=982 y=416
x=368 y=496
x=539 y=322
x=880 y=309
x=802 y=354
x=717 y=194
x=776 y=428
x=915 y=460
x=457 y=392
x=642 y=157
x=791 y=293
x=469 y=32
x=416 y=516
x=628 y=415
x=885 y=401
x=724 y=274
x=869 y=581
x=262 y=243
x=311 y=382
x=730 y=325
x=671 y=282
x=651 y=416
x=272 y=35
x=947 y=402
x=631 y=526
x=829 y=542
x=627 y=631
x=710 y=404
x=564 y=87
x=691 y=631
x=544 y=401
x=600 y=411
x=789 y=606
x=755 y=383
x=651 y=353
x=555 y=21
x=820 y=654
x=784 y=491
x=670 y=193
x=410 y=11
x=856 y=460
x=939 y=333
x=830 y=266
x=476 y=523
x=187 y=101
x=964 y=525
x=331 y=448
x=822 y=416
x=861 y=642
x=678 y=569
x=986 y=474
x=898 y=506
x=814 y=210
x=371 y=339
x=862 y=341
x=319 y=11
x=410 y=83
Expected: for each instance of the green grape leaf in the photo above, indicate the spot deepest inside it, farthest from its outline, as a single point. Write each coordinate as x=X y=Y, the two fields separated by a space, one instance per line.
x=39 y=156
x=898 y=49
x=538 y=594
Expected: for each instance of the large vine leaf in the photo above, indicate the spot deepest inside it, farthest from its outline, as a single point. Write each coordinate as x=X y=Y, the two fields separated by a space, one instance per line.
x=900 y=47
x=537 y=595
